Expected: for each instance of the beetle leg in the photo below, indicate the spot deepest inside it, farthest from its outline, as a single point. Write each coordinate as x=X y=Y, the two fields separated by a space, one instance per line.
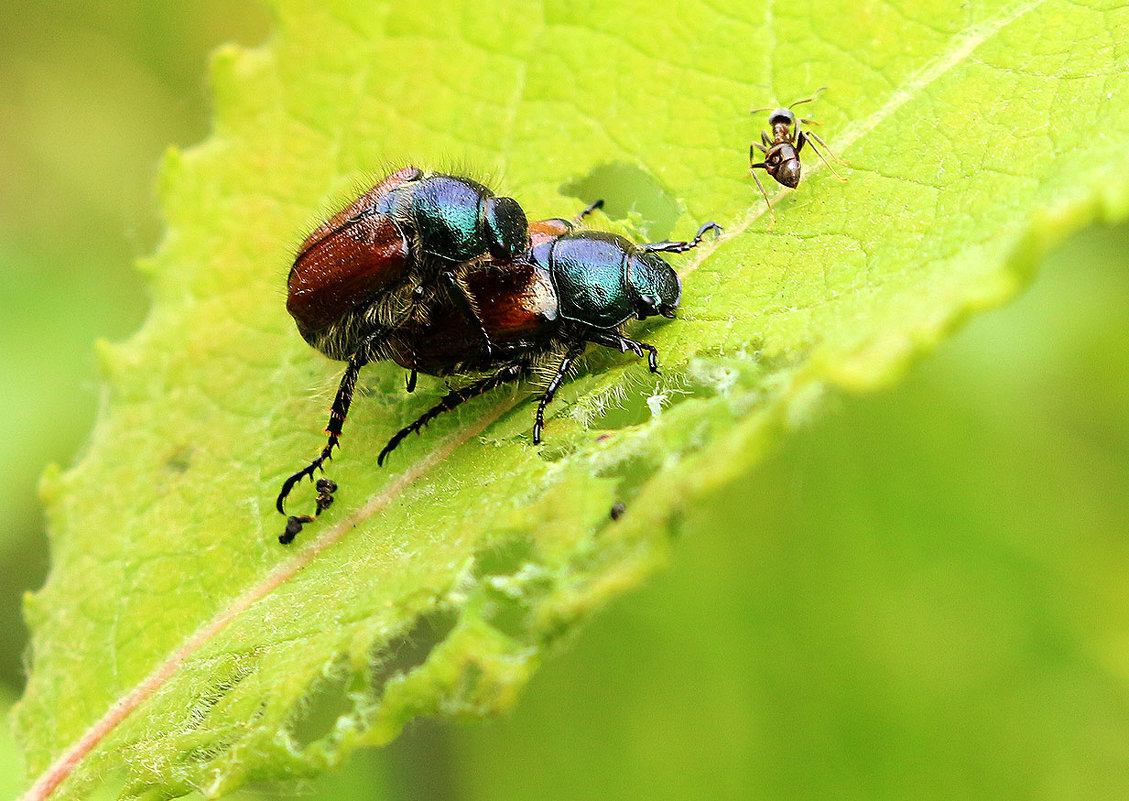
x=452 y=400
x=294 y=523
x=610 y=339
x=462 y=300
x=337 y=415
x=571 y=355
x=595 y=204
x=681 y=247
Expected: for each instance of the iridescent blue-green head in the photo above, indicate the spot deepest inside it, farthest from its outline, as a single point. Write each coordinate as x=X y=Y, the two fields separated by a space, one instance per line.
x=459 y=219
x=603 y=279
x=656 y=285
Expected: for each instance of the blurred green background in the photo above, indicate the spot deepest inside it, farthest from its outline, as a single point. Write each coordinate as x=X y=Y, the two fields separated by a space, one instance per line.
x=922 y=594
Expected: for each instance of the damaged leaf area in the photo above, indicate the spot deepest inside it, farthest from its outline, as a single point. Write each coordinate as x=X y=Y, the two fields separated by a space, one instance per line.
x=177 y=647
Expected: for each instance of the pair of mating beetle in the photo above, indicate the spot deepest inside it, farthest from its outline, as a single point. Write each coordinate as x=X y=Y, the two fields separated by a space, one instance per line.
x=441 y=276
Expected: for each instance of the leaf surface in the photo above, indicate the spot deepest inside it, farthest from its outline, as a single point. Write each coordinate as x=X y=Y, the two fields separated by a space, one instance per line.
x=177 y=638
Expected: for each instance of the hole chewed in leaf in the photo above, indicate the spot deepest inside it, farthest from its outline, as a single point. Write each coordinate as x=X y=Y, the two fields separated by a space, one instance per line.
x=410 y=650
x=342 y=692
x=503 y=559
x=629 y=193
x=327 y=702
x=632 y=473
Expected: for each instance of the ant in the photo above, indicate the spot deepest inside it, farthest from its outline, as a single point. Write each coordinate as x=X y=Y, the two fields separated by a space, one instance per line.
x=782 y=151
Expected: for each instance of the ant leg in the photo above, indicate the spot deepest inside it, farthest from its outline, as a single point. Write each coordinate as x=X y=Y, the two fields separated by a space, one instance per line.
x=411 y=387
x=611 y=339
x=817 y=140
x=765 y=140
x=753 y=153
x=571 y=355
x=682 y=247
x=764 y=194
x=451 y=401
x=805 y=136
x=463 y=302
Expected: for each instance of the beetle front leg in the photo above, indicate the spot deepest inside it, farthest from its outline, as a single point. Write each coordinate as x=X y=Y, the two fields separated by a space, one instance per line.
x=682 y=247
x=462 y=300
x=610 y=339
x=591 y=207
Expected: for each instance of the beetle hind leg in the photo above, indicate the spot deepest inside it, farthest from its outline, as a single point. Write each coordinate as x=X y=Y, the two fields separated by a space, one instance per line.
x=337 y=414
x=294 y=523
x=460 y=297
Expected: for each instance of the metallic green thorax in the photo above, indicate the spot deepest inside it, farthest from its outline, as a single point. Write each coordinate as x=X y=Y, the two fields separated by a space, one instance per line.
x=458 y=219
x=602 y=279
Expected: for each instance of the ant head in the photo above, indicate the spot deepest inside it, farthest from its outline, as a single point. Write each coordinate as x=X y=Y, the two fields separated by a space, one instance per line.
x=782 y=115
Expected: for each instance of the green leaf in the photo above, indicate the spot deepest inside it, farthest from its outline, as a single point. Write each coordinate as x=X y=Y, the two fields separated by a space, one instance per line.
x=11 y=764
x=176 y=638
x=931 y=604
